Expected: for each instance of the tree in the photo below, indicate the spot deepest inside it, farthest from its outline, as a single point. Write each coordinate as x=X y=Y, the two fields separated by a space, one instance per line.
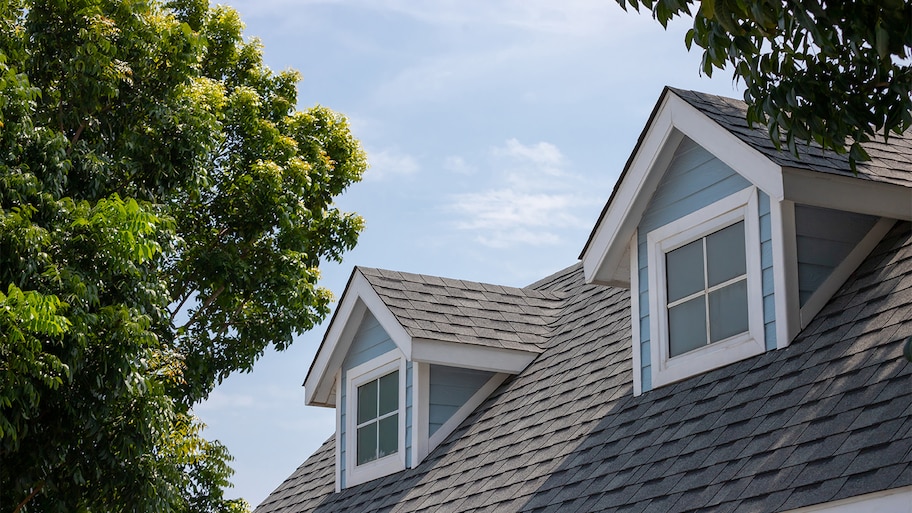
x=835 y=73
x=164 y=210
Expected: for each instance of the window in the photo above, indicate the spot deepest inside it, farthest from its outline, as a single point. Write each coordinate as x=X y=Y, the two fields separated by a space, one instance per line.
x=374 y=435
x=705 y=299
x=378 y=418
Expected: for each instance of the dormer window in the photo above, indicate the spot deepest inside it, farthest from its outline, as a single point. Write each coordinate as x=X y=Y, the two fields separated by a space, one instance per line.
x=706 y=296
x=376 y=417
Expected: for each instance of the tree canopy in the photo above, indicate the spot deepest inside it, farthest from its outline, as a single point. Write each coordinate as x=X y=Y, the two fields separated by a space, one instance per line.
x=164 y=209
x=834 y=73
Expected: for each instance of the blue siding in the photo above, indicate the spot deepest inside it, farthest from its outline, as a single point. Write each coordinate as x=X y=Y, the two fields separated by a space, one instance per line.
x=694 y=179
x=824 y=238
x=369 y=342
x=766 y=266
x=450 y=388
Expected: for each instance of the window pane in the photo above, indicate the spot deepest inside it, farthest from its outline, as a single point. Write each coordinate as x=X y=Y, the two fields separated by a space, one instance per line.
x=367 y=443
x=389 y=435
x=389 y=393
x=725 y=254
x=367 y=402
x=728 y=311
x=684 y=270
x=687 y=326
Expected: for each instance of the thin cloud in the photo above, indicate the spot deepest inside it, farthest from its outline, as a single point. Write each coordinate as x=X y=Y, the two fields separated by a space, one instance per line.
x=390 y=162
x=534 y=198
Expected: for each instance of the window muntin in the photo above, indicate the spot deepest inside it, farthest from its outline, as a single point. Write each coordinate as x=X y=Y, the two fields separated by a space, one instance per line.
x=378 y=418
x=706 y=290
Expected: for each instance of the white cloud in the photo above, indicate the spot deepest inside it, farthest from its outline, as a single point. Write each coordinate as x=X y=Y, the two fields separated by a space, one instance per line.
x=533 y=199
x=458 y=165
x=389 y=162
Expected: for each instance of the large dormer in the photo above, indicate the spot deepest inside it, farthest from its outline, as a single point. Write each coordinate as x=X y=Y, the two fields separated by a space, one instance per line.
x=729 y=246
x=407 y=358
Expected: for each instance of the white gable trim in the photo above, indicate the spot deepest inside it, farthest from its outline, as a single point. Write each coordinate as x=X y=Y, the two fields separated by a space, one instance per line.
x=847 y=193
x=897 y=500
x=605 y=259
x=358 y=298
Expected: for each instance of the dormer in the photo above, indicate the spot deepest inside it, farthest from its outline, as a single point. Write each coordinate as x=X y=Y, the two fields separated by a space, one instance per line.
x=408 y=357
x=728 y=245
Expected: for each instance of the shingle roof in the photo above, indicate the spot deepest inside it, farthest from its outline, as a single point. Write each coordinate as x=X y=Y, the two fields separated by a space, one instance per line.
x=890 y=163
x=468 y=312
x=826 y=418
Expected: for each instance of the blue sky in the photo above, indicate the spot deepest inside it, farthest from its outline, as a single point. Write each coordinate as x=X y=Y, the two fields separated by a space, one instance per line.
x=495 y=131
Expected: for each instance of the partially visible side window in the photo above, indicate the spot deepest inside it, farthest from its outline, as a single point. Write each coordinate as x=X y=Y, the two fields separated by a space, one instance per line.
x=705 y=297
x=378 y=418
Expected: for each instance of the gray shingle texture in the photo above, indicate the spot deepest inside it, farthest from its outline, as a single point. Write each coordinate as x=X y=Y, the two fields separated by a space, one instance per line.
x=467 y=312
x=891 y=161
x=824 y=419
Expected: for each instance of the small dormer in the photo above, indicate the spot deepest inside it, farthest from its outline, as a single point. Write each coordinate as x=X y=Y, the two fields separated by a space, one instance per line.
x=728 y=245
x=407 y=358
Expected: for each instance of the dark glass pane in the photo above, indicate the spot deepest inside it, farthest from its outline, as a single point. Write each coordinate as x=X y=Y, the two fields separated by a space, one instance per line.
x=367 y=443
x=389 y=436
x=684 y=270
x=367 y=402
x=725 y=254
x=728 y=311
x=389 y=393
x=687 y=326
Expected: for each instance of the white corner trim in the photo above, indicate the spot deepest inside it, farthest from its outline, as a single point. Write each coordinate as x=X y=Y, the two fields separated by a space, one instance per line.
x=465 y=410
x=841 y=273
x=358 y=298
x=849 y=194
x=471 y=356
x=635 y=315
x=368 y=371
x=731 y=209
x=785 y=271
x=896 y=500
x=338 y=444
x=421 y=388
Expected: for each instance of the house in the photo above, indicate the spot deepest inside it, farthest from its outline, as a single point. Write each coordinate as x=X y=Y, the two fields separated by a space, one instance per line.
x=730 y=341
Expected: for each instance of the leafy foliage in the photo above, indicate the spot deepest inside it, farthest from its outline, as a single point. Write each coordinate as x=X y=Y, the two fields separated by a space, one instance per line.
x=835 y=73
x=163 y=213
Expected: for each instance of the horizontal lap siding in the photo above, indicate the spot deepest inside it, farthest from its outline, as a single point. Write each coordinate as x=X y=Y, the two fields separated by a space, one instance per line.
x=824 y=237
x=694 y=179
x=450 y=389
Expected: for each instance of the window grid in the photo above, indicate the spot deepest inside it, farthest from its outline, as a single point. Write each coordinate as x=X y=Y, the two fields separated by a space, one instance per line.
x=377 y=418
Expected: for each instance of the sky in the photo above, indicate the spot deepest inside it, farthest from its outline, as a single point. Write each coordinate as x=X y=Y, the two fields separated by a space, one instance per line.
x=495 y=131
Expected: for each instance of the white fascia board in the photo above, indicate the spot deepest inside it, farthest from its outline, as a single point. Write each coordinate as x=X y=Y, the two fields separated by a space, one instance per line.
x=470 y=356
x=897 y=500
x=605 y=261
x=359 y=298
x=848 y=194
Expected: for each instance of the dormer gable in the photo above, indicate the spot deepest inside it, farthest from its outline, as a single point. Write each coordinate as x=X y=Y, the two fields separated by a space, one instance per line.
x=406 y=358
x=730 y=246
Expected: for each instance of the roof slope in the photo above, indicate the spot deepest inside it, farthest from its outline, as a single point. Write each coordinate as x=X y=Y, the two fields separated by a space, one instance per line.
x=827 y=418
x=462 y=311
x=890 y=163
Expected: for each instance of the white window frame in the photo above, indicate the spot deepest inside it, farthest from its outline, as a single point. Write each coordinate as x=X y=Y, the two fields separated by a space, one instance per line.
x=355 y=377
x=741 y=206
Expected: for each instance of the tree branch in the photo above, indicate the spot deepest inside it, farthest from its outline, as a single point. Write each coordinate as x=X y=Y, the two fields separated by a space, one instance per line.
x=205 y=306
x=30 y=497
